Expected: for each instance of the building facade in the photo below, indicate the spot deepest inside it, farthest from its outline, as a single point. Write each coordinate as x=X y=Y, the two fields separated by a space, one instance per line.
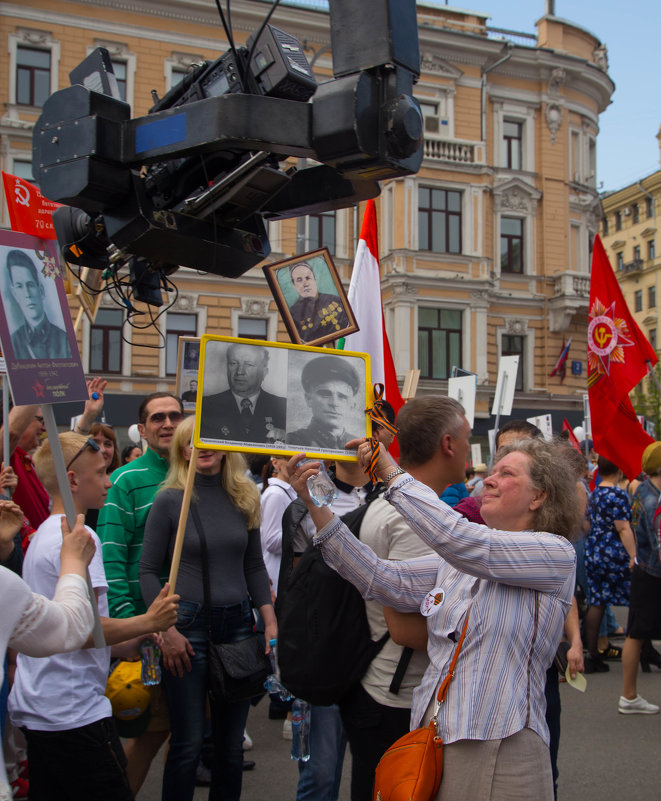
x=485 y=252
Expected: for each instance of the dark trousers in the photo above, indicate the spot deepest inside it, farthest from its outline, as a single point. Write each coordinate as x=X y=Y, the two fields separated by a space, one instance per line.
x=187 y=703
x=371 y=729
x=78 y=764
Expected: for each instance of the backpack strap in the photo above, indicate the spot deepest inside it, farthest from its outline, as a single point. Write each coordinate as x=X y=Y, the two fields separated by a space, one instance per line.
x=291 y=519
x=401 y=669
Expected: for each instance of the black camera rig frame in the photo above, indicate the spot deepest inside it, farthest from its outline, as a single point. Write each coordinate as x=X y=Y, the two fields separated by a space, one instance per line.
x=192 y=183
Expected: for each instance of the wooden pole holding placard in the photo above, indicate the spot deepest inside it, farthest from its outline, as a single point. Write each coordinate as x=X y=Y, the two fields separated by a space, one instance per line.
x=69 y=508
x=183 y=517
x=79 y=319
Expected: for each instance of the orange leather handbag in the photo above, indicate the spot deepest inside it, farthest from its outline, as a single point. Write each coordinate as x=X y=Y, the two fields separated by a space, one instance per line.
x=411 y=769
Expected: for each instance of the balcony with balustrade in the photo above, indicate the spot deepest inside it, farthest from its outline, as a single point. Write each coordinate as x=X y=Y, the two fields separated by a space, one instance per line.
x=571 y=294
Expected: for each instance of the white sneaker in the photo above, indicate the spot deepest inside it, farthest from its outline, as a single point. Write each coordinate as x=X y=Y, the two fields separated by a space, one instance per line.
x=286 y=730
x=639 y=706
x=247 y=741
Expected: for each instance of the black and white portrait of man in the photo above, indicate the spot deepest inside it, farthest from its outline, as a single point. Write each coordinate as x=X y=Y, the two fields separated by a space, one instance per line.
x=27 y=306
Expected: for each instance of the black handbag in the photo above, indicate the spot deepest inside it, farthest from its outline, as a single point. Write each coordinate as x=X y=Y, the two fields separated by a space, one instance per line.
x=236 y=670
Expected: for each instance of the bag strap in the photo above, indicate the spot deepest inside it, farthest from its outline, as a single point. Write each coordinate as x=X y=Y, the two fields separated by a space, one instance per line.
x=205 y=565
x=443 y=689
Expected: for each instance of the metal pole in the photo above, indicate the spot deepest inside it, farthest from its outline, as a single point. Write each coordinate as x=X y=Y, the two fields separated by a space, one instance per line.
x=588 y=426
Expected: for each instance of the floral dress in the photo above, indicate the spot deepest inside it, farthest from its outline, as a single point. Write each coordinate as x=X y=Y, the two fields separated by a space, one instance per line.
x=606 y=559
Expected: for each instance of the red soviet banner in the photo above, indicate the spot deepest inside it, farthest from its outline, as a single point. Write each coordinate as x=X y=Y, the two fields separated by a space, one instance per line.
x=619 y=356
x=29 y=211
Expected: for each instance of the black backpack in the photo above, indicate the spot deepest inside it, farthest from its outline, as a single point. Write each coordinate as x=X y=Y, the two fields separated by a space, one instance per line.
x=324 y=642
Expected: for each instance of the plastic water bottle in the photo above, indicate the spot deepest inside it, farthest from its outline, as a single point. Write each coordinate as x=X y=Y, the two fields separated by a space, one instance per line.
x=273 y=685
x=150 y=656
x=300 y=729
x=322 y=490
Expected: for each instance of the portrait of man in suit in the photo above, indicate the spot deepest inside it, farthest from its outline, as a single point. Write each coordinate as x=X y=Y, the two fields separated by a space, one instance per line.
x=245 y=412
x=36 y=337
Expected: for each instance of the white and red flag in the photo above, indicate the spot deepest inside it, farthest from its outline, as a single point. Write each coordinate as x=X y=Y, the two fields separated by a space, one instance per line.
x=365 y=299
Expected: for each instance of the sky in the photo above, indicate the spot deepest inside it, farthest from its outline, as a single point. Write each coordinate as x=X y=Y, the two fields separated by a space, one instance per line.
x=627 y=147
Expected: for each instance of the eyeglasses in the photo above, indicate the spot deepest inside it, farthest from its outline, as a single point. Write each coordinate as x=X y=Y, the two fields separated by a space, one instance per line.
x=90 y=443
x=161 y=417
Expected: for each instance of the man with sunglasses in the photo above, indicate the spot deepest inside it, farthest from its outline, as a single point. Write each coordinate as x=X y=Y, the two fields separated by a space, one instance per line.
x=121 y=528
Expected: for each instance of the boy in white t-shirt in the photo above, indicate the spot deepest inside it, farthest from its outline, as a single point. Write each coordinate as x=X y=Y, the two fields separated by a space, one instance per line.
x=74 y=752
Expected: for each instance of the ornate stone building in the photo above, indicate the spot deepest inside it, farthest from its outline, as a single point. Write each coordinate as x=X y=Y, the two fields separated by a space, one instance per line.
x=484 y=252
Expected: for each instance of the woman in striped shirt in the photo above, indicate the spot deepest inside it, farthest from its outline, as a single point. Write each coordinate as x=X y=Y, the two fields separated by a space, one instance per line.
x=515 y=576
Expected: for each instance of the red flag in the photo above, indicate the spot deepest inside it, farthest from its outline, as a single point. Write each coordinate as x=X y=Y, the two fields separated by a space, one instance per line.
x=29 y=211
x=576 y=445
x=619 y=356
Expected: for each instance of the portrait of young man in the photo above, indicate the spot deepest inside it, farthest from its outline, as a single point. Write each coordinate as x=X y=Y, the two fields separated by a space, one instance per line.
x=33 y=335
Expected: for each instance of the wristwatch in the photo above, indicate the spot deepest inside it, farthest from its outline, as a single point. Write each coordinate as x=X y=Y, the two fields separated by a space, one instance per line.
x=397 y=471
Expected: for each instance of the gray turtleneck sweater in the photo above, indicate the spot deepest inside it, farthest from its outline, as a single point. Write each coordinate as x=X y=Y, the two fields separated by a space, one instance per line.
x=236 y=566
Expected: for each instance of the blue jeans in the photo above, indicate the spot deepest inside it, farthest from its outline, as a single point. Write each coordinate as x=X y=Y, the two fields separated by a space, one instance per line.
x=187 y=706
x=319 y=778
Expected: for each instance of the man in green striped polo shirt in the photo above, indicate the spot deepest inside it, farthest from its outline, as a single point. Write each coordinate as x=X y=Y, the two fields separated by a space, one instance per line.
x=121 y=528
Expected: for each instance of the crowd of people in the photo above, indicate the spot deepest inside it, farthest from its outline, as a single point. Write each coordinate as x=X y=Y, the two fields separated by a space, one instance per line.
x=526 y=556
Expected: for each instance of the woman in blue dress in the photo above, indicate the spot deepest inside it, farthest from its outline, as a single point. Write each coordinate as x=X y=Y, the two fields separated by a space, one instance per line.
x=609 y=553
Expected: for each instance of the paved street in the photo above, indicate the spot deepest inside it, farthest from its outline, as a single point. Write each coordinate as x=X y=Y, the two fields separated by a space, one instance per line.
x=603 y=755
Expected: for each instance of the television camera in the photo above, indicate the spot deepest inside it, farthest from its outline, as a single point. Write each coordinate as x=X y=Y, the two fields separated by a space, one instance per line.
x=192 y=182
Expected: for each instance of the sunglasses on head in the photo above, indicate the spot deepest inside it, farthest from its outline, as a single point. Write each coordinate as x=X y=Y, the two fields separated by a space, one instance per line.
x=161 y=417
x=90 y=443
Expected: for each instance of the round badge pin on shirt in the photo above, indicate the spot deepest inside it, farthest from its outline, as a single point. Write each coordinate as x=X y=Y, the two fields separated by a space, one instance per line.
x=432 y=602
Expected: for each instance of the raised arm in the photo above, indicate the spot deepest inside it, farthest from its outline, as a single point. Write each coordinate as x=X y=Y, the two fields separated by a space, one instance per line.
x=93 y=405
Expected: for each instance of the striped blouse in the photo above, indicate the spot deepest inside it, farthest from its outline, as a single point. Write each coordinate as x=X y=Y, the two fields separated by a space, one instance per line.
x=518 y=585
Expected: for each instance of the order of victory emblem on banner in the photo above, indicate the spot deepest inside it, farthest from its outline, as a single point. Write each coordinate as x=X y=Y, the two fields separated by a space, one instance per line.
x=608 y=336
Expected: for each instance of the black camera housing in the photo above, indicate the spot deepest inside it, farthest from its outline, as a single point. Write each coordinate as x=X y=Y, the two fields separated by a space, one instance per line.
x=192 y=182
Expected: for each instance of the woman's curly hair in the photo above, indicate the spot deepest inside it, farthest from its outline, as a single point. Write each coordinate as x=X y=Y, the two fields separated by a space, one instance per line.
x=559 y=513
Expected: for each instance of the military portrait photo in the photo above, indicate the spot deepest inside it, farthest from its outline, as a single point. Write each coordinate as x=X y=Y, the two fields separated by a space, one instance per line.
x=32 y=307
x=311 y=298
x=326 y=401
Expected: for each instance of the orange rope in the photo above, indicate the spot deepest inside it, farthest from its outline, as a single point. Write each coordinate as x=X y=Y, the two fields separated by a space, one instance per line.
x=377 y=415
